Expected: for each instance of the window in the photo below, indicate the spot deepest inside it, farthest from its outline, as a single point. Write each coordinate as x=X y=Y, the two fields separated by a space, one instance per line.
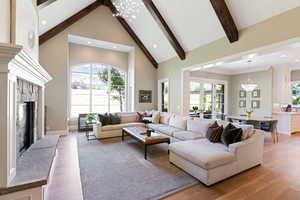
x=296 y=93
x=207 y=98
x=97 y=88
x=163 y=95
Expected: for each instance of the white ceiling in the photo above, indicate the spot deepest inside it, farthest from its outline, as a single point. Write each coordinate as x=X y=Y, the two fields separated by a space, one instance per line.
x=193 y=21
x=286 y=55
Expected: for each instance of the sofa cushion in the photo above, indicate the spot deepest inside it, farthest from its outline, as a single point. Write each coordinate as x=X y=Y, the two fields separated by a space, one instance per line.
x=203 y=153
x=164 y=118
x=156 y=126
x=199 y=125
x=187 y=135
x=168 y=130
x=113 y=127
x=178 y=121
x=127 y=118
x=231 y=134
x=120 y=126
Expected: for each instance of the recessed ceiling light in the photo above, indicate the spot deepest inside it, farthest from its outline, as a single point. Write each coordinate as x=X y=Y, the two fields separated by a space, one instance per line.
x=44 y=22
x=89 y=42
x=219 y=63
x=283 y=56
x=115 y=47
x=297 y=60
x=252 y=55
x=208 y=66
x=154 y=46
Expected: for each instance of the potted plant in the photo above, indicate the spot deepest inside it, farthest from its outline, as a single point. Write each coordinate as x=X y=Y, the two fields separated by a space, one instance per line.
x=195 y=109
x=90 y=117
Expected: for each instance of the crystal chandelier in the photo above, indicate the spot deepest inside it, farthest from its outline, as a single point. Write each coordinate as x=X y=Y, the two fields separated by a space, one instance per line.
x=249 y=86
x=127 y=9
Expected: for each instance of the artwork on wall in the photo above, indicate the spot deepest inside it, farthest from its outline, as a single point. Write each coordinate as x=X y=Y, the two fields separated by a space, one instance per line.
x=243 y=104
x=145 y=96
x=255 y=104
x=256 y=93
x=243 y=94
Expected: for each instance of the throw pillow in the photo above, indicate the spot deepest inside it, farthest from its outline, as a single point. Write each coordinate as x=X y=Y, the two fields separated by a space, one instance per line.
x=231 y=134
x=214 y=133
x=114 y=119
x=155 y=117
x=139 y=116
x=103 y=119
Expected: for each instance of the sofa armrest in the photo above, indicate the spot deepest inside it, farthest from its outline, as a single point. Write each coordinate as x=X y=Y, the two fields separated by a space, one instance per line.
x=97 y=128
x=250 y=151
x=256 y=139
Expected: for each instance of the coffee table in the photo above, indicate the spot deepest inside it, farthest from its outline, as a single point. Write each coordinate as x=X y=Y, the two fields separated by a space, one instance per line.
x=139 y=134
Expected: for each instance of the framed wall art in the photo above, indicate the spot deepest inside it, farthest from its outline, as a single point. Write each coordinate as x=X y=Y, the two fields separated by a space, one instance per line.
x=145 y=96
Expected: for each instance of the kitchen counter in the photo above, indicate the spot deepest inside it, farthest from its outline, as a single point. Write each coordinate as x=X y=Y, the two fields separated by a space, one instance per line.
x=288 y=122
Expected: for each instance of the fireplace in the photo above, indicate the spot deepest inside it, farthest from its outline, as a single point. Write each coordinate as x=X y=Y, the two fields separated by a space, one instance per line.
x=27 y=114
x=26 y=126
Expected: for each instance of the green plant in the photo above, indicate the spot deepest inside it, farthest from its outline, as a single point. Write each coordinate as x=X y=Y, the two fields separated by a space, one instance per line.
x=90 y=117
x=117 y=84
x=195 y=108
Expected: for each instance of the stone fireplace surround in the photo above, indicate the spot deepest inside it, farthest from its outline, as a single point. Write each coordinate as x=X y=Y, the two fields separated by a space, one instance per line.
x=27 y=115
x=16 y=64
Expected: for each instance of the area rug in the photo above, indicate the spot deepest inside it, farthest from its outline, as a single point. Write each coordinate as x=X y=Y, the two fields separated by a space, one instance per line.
x=114 y=170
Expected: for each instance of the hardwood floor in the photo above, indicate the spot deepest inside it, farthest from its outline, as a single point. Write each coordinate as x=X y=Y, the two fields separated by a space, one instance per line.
x=278 y=178
x=65 y=183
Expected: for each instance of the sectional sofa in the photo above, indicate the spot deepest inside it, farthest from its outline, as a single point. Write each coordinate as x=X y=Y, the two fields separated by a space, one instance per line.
x=192 y=152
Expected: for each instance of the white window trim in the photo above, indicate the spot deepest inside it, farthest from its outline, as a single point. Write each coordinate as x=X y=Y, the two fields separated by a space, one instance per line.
x=159 y=100
x=213 y=81
x=69 y=90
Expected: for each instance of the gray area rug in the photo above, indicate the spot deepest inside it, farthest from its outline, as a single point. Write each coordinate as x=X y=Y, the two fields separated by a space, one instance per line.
x=115 y=170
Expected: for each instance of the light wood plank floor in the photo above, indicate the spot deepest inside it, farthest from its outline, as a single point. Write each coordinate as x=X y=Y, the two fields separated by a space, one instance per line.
x=278 y=178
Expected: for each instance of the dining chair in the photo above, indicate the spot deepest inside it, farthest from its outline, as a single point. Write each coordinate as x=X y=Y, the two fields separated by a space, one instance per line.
x=270 y=126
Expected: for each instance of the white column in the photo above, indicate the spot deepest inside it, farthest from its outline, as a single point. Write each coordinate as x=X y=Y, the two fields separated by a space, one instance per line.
x=281 y=86
x=185 y=92
x=7 y=128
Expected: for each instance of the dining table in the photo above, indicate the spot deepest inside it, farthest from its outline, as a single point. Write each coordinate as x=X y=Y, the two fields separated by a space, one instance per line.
x=258 y=122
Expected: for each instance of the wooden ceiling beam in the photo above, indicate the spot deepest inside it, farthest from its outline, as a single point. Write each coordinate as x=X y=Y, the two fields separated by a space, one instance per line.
x=68 y=22
x=226 y=19
x=165 y=28
x=133 y=35
x=39 y=2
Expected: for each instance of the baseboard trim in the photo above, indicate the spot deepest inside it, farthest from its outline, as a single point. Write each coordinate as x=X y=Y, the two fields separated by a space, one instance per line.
x=58 y=132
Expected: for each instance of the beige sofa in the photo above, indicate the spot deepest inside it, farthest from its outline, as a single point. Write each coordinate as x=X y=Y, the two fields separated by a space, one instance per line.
x=128 y=119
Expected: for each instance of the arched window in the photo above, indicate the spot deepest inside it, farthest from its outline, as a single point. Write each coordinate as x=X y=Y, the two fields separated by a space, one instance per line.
x=97 y=88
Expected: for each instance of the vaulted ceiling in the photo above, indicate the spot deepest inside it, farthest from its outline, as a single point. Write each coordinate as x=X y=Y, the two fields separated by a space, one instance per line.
x=194 y=23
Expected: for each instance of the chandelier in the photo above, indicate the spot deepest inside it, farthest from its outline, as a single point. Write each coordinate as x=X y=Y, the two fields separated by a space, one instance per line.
x=127 y=9
x=249 y=86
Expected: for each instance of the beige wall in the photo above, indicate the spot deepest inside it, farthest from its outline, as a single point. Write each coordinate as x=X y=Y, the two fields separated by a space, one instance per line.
x=274 y=30
x=54 y=57
x=264 y=81
x=5 y=21
x=80 y=54
x=295 y=75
